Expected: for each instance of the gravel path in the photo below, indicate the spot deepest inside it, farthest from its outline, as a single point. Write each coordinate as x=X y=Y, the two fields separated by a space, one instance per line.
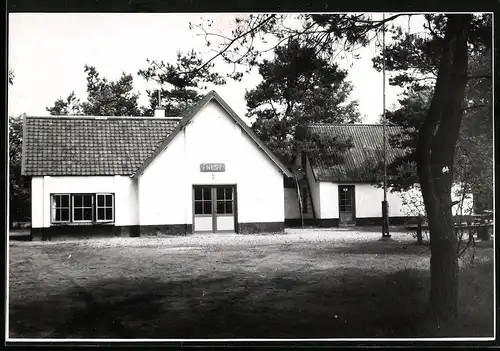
x=307 y=236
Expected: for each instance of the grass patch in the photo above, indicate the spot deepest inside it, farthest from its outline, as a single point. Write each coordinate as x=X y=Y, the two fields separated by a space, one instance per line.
x=234 y=287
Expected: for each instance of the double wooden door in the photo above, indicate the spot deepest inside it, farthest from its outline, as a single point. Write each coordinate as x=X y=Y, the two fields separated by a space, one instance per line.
x=214 y=208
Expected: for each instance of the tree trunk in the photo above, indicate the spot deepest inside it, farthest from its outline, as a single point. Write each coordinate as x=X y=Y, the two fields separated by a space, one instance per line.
x=437 y=141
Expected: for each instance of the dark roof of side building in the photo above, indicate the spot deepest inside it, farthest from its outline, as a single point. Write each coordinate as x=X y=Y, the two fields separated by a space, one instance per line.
x=364 y=160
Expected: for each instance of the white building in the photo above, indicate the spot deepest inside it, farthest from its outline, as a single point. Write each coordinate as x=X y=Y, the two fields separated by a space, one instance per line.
x=350 y=193
x=204 y=172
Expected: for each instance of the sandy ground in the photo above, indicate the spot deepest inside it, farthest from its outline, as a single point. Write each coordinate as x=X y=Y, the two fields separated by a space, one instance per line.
x=168 y=283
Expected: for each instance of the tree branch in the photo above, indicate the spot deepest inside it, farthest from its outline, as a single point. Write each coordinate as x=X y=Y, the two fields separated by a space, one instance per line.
x=235 y=39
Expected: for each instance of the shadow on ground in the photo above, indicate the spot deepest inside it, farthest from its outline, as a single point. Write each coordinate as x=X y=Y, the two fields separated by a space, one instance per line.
x=236 y=306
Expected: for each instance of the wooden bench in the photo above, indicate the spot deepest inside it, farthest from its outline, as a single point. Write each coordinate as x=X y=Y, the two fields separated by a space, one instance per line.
x=478 y=224
x=474 y=223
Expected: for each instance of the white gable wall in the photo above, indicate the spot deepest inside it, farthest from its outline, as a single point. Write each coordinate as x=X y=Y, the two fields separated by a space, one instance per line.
x=124 y=189
x=292 y=210
x=212 y=136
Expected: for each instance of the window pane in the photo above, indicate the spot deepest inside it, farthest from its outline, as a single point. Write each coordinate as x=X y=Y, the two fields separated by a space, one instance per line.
x=56 y=201
x=58 y=215
x=87 y=214
x=197 y=194
x=65 y=214
x=65 y=201
x=229 y=207
x=198 y=209
x=100 y=200
x=77 y=214
x=100 y=214
x=87 y=200
x=220 y=193
x=229 y=193
x=220 y=207
x=207 y=207
x=207 y=194
x=109 y=200
x=78 y=201
x=109 y=213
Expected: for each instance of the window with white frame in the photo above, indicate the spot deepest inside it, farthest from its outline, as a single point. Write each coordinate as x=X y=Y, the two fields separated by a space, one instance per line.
x=80 y=208
x=104 y=207
x=83 y=208
x=60 y=208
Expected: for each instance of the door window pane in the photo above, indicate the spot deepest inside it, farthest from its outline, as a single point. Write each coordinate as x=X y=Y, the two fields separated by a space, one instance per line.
x=220 y=193
x=220 y=207
x=229 y=193
x=198 y=194
x=207 y=207
x=198 y=207
x=207 y=193
x=229 y=207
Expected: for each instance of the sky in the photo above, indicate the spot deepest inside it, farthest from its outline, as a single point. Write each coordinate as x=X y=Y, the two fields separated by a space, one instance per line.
x=48 y=51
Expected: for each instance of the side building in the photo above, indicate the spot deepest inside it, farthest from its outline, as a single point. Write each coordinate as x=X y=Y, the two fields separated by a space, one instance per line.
x=350 y=192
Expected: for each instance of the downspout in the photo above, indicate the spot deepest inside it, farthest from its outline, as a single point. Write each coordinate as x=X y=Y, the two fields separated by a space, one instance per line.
x=43 y=203
x=187 y=203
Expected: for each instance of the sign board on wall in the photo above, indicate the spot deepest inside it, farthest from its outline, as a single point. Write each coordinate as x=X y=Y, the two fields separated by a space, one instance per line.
x=212 y=167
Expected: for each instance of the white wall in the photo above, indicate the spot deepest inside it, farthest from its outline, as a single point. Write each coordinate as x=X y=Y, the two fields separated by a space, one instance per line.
x=368 y=200
x=165 y=188
x=126 y=211
x=123 y=187
x=37 y=203
x=292 y=210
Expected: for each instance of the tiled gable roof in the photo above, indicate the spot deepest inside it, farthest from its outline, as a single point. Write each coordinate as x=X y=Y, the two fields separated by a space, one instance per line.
x=62 y=145
x=82 y=145
x=362 y=161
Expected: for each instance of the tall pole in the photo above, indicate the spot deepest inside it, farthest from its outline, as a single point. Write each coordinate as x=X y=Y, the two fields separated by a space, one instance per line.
x=385 y=214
